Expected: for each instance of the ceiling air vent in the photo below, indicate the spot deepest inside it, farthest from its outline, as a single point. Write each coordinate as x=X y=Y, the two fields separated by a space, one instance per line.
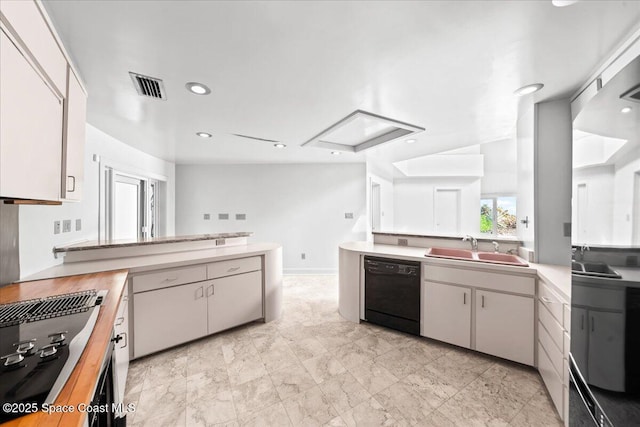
x=360 y=131
x=148 y=86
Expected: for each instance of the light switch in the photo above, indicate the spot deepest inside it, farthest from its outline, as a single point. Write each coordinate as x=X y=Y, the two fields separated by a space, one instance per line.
x=241 y=217
x=207 y=216
x=223 y=216
x=78 y=224
x=56 y=227
x=348 y=215
x=66 y=225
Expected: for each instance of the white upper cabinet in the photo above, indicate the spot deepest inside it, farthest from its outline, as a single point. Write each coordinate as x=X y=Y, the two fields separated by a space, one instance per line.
x=29 y=25
x=43 y=110
x=30 y=129
x=74 y=138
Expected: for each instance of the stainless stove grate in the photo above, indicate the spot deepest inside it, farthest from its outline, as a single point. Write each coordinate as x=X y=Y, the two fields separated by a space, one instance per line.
x=45 y=308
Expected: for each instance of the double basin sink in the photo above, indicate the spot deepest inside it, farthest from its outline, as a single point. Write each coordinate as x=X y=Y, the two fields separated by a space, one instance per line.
x=594 y=269
x=486 y=257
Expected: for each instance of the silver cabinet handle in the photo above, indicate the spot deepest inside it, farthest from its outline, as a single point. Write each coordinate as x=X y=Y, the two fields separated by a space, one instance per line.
x=200 y=292
x=119 y=321
x=482 y=301
x=210 y=291
x=171 y=279
x=582 y=322
x=232 y=269
x=126 y=340
x=464 y=298
x=547 y=300
x=74 y=184
x=593 y=324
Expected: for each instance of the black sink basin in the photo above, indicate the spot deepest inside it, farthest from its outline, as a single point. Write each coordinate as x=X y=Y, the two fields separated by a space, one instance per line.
x=594 y=269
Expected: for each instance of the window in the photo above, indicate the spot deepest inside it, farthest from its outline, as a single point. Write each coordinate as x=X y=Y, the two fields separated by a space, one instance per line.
x=498 y=216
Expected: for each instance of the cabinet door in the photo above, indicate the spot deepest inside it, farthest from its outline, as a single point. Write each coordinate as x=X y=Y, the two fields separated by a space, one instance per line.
x=504 y=326
x=606 y=350
x=234 y=300
x=30 y=129
x=580 y=339
x=446 y=313
x=121 y=348
x=168 y=317
x=74 y=140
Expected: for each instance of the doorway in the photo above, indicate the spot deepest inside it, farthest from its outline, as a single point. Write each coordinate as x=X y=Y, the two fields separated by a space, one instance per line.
x=376 y=213
x=131 y=206
x=447 y=211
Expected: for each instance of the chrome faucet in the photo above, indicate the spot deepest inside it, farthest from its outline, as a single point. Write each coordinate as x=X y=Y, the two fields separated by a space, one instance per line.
x=472 y=240
x=583 y=248
x=496 y=246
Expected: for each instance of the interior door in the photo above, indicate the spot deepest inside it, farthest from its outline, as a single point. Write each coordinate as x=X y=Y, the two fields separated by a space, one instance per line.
x=127 y=209
x=447 y=211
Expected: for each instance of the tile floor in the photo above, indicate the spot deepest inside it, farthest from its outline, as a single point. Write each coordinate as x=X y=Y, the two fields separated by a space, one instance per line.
x=313 y=368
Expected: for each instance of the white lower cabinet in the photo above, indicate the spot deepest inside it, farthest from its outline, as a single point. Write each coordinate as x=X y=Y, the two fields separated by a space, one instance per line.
x=174 y=306
x=606 y=350
x=447 y=313
x=234 y=300
x=504 y=326
x=170 y=316
x=464 y=314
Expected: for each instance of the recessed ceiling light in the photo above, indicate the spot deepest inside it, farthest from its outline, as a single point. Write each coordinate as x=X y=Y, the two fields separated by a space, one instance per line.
x=279 y=145
x=198 y=88
x=203 y=134
x=563 y=3
x=526 y=90
x=336 y=153
x=626 y=110
x=410 y=141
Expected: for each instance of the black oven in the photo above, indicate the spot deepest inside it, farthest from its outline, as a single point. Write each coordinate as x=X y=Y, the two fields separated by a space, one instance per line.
x=392 y=293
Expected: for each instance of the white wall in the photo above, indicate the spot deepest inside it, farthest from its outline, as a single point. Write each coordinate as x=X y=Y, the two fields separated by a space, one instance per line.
x=301 y=206
x=500 y=167
x=599 y=182
x=414 y=204
x=525 y=208
x=552 y=160
x=36 y=222
x=623 y=199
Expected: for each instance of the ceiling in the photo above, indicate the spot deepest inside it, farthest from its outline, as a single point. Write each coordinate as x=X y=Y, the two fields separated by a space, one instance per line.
x=285 y=71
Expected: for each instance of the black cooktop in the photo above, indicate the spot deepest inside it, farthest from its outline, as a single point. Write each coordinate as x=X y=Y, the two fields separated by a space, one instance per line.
x=40 y=343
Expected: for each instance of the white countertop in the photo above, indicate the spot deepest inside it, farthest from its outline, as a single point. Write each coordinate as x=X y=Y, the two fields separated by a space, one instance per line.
x=557 y=276
x=137 y=264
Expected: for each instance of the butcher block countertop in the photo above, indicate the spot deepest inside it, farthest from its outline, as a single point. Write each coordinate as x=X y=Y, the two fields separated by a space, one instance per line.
x=82 y=382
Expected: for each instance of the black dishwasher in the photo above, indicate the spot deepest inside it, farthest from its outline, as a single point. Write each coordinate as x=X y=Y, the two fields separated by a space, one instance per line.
x=392 y=293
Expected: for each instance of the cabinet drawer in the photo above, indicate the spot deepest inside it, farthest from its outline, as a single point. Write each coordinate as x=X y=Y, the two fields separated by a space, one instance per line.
x=32 y=29
x=233 y=266
x=553 y=352
x=481 y=279
x=551 y=325
x=166 y=278
x=551 y=379
x=552 y=302
x=590 y=296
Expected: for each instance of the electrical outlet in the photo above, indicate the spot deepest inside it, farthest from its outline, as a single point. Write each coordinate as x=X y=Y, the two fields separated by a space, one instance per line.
x=348 y=215
x=207 y=216
x=303 y=255
x=66 y=225
x=56 y=227
x=78 y=224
